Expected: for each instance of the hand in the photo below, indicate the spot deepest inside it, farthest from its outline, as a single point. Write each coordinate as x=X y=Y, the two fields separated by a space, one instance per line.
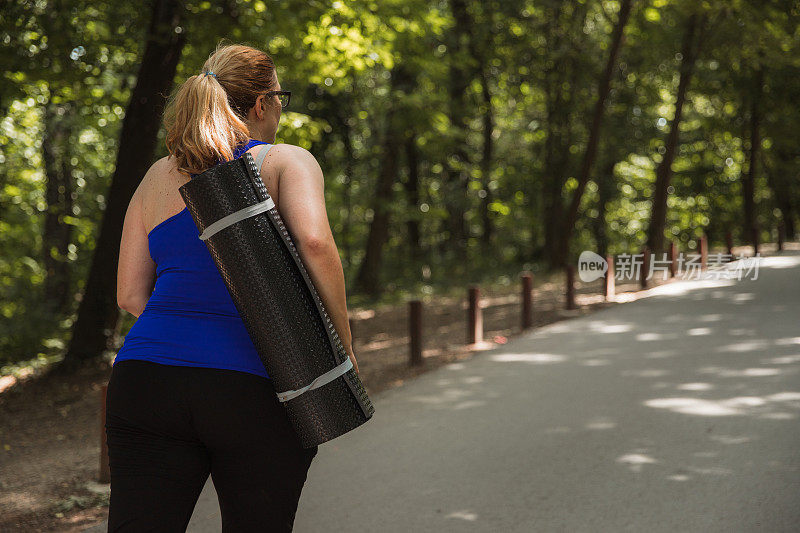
x=353 y=358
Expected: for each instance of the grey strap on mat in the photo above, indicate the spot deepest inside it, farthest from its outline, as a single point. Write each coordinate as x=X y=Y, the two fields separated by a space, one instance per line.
x=236 y=216
x=242 y=214
x=324 y=379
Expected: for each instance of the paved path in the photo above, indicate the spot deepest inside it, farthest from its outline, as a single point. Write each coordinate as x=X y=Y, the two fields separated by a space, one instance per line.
x=677 y=412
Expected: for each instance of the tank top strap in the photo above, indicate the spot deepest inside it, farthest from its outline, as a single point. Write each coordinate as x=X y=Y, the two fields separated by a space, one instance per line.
x=261 y=155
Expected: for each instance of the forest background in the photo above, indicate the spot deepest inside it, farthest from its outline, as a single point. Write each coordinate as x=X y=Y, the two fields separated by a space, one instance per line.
x=462 y=141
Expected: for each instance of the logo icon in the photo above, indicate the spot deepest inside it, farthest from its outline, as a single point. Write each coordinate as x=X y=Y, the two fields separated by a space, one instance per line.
x=591 y=266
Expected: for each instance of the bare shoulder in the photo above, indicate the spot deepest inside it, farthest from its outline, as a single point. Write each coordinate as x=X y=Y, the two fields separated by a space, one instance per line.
x=157 y=192
x=167 y=166
x=292 y=159
x=163 y=167
x=147 y=181
x=290 y=150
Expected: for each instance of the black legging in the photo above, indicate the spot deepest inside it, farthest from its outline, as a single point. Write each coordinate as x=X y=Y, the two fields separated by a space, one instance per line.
x=168 y=427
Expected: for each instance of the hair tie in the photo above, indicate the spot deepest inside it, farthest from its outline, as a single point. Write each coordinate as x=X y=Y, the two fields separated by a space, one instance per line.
x=208 y=72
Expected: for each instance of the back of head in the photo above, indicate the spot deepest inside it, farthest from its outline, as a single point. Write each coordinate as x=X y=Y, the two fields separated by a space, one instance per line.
x=205 y=115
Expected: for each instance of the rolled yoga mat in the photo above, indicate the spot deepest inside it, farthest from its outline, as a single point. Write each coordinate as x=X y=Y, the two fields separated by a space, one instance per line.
x=281 y=309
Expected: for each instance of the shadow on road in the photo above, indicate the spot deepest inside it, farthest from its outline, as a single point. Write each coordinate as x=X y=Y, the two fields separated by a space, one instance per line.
x=675 y=412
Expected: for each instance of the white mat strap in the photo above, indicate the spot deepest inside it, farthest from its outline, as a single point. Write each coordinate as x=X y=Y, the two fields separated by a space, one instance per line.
x=236 y=216
x=325 y=378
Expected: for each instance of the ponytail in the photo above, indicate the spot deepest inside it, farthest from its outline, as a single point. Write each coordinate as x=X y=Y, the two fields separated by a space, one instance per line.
x=204 y=117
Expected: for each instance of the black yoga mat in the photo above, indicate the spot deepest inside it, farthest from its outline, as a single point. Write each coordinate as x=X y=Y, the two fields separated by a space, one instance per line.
x=277 y=300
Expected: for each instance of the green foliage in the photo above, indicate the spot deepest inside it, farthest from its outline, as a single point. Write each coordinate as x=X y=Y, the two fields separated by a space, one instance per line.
x=539 y=62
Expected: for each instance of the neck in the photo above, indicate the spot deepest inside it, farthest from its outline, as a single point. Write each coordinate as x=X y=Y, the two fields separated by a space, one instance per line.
x=255 y=133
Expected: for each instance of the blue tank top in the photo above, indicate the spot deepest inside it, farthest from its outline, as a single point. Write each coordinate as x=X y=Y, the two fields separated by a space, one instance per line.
x=190 y=318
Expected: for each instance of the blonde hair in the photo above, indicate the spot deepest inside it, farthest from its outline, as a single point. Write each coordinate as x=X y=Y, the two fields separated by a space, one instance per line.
x=204 y=116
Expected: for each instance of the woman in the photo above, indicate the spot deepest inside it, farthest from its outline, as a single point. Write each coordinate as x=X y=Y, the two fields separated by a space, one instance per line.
x=188 y=394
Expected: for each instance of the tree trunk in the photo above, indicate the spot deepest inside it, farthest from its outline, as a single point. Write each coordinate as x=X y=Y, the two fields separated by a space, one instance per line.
x=780 y=176
x=412 y=197
x=552 y=179
x=480 y=49
x=457 y=158
x=749 y=184
x=603 y=89
x=605 y=188
x=59 y=197
x=349 y=171
x=368 y=278
x=486 y=159
x=658 y=216
x=98 y=313
x=565 y=20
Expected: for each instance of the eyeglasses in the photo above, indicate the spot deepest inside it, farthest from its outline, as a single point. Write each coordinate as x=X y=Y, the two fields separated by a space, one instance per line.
x=283 y=96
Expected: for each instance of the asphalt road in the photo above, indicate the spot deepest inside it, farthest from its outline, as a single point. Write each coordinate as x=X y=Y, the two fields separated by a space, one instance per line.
x=676 y=412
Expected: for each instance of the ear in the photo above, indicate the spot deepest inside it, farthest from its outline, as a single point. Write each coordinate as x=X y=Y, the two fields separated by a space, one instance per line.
x=259 y=106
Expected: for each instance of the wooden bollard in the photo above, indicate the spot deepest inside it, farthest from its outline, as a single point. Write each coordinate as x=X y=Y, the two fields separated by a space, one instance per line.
x=474 y=317
x=754 y=238
x=781 y=236
x=673 y=259
x=729 y=244
x=571 y=287
x=415 y=331
x=703 y=253
x=644 y=282
x=609 y=284
x=105 y=470
x=527 y=300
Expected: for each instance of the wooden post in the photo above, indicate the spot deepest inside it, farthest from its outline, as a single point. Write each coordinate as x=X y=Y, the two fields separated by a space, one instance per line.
x=754 y=238
x=610 y=287
x=703 y=253
x=105 y=470
x=645 y=267
x=729 y=244
x=415 y=331
x=474 y=317
x=673 y=259
x=781 y=236
x=527 y=300
x=571 y=287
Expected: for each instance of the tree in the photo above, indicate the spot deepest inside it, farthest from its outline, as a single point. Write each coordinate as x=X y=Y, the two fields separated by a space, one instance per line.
x=98 y=312
x=368 y=279
x=693 y=39
x=590 y=153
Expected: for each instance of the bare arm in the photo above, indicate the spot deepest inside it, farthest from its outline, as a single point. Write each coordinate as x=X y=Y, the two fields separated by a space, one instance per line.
x=136 y=269
x=301 y=203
